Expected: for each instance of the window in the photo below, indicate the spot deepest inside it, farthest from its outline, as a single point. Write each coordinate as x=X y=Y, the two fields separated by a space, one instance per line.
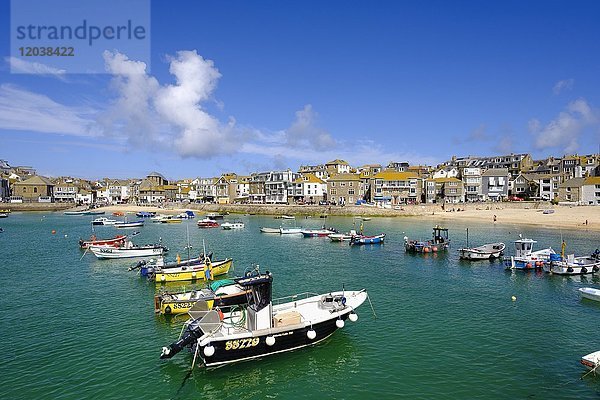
x=333 y=192
x=34 y=189
x=24 y=189
x=342 y=184
x=332 y=184
x=350 y=191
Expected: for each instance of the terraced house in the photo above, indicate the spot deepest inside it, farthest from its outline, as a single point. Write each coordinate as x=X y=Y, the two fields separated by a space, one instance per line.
x=345 y=188
x=396 y=188
x=309 y=189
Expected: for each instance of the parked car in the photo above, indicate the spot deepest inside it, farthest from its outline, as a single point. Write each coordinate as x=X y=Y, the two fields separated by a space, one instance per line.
x=514 y=198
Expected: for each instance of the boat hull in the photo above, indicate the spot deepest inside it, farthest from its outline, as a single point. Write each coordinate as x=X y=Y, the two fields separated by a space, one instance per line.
x=173 y=304
x=114 y=252
x=270 y=230
x=192 y=273
x=286 y=340
x=590 y=293
x=117 y=241
x=486 y=252
x=362 y=240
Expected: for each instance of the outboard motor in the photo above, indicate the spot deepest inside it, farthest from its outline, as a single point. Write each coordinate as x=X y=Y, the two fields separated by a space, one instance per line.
x=192 y=332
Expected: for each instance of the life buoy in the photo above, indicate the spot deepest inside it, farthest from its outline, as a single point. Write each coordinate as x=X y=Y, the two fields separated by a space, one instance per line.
x=569 y=269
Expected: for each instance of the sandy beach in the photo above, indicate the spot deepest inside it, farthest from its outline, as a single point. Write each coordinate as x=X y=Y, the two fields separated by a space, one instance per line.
x=562 y=217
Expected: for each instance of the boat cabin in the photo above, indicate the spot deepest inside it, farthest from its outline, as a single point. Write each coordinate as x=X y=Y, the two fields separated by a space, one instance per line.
x=524 y=247
x=260 y=306
x=440 y=235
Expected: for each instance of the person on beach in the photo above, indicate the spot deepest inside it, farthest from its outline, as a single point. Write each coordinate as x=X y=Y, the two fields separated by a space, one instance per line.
x=494 y=217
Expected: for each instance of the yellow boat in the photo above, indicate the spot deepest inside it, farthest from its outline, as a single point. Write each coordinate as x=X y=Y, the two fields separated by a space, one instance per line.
x=223 y=294
x=205 y=271
x=171 y=220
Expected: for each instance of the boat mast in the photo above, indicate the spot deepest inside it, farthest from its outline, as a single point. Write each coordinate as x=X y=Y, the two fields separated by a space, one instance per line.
x=467 y=238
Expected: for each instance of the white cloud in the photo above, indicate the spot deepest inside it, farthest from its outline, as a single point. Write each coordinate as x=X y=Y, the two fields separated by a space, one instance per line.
x=19 y=66
x=563 y=132
x=566 y=84
x=170 y=116
x=27 y=111
x=305 y=131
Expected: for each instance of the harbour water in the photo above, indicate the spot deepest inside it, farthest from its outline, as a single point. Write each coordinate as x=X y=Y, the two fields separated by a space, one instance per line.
x=76 y=328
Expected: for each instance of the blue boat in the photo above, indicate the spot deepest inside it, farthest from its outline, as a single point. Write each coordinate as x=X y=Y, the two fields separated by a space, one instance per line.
x=361 y=239
x=145 y=214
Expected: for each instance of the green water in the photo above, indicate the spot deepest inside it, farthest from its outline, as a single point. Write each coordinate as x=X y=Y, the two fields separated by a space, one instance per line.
x=84 y=328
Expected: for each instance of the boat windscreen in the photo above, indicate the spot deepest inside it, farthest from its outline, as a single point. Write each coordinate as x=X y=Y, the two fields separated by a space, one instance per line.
x=199 y=309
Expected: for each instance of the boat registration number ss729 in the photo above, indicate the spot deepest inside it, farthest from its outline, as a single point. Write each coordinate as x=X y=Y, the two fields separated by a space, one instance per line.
x=241 y=343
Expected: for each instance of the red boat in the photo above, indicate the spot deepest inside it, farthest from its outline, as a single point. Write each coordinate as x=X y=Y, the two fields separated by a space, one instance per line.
x=117 y=241
x=208 y=223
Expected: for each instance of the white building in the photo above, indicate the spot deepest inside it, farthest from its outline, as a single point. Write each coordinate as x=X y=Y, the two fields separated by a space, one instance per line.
x=471 y=177
x=590 y=191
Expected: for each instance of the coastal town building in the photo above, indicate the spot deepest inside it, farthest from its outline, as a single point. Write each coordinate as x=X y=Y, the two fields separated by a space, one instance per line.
x=65 y=190
x=337 y=167
x=472 y=180
x=206 y=189
x=570 y=190
x=309 y=189
x=36 y=188
x=279 y=187
x=4 y=188
x=398 y=166
x=317 y=170
x=590 y=191
x=444 y=190
x=446 y=172
x=257 y=187
x=344 y=188
x=391 y=187
x=494 y=184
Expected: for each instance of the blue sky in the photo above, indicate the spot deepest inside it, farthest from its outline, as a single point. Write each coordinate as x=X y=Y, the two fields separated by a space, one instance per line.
x=244 y=86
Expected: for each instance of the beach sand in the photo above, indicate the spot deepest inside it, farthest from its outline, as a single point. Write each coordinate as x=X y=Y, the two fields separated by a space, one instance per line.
x=563 y=217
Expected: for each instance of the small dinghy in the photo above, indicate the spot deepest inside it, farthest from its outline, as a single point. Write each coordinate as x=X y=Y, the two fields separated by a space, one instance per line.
x=362 y=239
x=205 y=270
x=270 y=230
x=590 y=293
x=117 y=241
x=128 y=250
x=591 y=361
x=264 y=327
x=485 y=252
x=208 y=223
x=232 y=225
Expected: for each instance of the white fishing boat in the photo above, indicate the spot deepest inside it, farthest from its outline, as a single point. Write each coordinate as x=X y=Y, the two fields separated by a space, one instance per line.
x=590 y=293
x=572 y=265
x=591 y=361
x=527 y=259
x=104 y=221
x=270 y=230
x=264 y=327
x=288 y=217
x=158 y=218
x=126 y=225
x=342 y=237
x=290 y=231
x=484 y=252
x=232 y=225
x=129 y=250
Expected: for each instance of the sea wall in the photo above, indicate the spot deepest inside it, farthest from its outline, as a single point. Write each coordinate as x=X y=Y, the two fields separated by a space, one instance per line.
x=15 y=207
x=313 y=210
